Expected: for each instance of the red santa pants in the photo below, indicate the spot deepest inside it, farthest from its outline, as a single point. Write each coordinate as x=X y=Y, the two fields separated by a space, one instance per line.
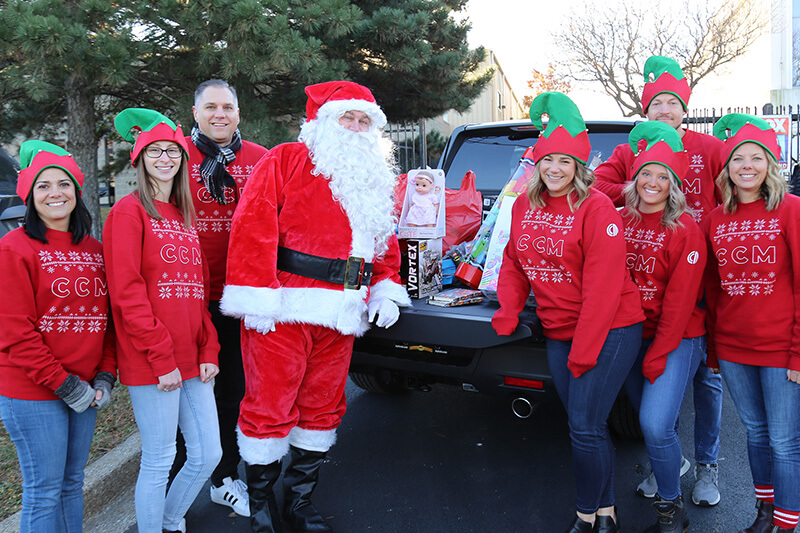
x=294 y=376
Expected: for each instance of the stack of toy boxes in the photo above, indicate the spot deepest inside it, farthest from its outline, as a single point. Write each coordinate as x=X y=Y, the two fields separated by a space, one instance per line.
x=422 y=225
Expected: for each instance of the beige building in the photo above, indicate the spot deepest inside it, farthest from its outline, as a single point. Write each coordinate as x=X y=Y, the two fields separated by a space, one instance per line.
x=785 y=32
x=496 y=102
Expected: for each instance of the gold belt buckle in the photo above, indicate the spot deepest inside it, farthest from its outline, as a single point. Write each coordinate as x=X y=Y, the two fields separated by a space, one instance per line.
x=354 y=263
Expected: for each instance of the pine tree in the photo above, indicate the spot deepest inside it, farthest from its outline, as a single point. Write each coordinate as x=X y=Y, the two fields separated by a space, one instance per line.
x=67 y=66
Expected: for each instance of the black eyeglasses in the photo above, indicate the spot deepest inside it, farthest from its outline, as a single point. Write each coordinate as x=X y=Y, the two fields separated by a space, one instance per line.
x=155 y=152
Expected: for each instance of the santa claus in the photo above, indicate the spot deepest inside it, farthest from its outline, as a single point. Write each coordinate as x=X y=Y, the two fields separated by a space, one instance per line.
x=313 y=259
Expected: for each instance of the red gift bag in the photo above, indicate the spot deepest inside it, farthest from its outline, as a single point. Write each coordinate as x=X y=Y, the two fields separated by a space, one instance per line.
x=463 y=208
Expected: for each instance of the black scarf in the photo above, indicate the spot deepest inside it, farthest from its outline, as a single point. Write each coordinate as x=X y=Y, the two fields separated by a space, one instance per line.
x=212 y=169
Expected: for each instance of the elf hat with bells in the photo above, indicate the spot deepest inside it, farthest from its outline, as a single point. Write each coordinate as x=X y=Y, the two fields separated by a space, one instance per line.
x=657 y=142
x=667 y=77
x=141 y=127
x=739 y=128
x=565 y=132
x=35 y=156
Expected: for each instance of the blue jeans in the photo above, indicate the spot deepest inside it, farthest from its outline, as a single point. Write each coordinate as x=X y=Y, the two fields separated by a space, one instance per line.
x=659 y=405
x=52 y=444
x=158 y=416
x=708 y=414
x=588 y=400
x=769 y=406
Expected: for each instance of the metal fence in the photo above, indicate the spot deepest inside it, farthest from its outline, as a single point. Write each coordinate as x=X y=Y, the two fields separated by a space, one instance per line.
x=409 y=138
x=703 y=120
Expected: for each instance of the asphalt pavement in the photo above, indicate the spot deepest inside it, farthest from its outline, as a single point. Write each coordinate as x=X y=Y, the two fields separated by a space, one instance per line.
x=455 y=461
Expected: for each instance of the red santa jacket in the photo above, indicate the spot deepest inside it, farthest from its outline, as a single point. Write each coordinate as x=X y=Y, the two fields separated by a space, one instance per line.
x=214 y=220
x=705 y=164
x=286 y=204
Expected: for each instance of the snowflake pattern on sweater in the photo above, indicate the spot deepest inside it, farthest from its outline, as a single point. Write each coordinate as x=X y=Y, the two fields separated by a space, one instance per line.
x=749 y=282
x=66 y=318
x=182 y=284
x=546 y=271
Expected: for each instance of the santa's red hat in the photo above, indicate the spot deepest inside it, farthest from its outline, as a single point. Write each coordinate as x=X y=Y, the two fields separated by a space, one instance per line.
x=36 y=156
x=335 y=98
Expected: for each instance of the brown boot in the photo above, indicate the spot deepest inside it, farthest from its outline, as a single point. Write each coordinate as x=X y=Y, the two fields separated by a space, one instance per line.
x=763 y=522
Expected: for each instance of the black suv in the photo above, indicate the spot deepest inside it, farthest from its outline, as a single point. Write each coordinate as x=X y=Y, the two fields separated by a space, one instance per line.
x=457 y=345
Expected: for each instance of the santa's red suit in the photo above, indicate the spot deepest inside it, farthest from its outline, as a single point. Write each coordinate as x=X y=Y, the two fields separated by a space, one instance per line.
x=296 y=374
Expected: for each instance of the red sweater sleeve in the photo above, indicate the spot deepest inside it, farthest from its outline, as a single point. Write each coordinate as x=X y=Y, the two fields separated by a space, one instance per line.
x=612 y=175
x=20 y=338
x=711 y=284
x=687 y=261
x=123 y=236
x=603 y=276
x=513 y=286
x=793 y=239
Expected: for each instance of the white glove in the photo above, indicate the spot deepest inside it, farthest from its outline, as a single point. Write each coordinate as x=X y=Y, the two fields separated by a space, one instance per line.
x=261 y=324
x=386 y=310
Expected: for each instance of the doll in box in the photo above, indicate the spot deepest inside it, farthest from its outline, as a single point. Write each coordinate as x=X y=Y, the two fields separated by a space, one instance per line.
x=423 y=201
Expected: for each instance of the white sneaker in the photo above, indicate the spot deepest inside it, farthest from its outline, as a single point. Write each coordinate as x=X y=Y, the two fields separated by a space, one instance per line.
x=648 y=488
x=232 y=493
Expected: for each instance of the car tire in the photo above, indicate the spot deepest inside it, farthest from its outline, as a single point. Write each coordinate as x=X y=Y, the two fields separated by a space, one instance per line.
x=381 y=382
x=623 y=421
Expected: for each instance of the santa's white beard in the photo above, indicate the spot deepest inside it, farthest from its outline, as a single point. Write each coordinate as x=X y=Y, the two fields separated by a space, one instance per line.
x=359 y=168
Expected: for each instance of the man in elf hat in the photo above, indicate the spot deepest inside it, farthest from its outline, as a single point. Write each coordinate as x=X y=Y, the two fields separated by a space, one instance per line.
x=221 y=162
x=312 y=260
x=665 y=98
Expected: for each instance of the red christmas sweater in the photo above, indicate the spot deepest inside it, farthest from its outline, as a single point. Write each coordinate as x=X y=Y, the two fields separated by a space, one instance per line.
x=54 y=315
x=667 y=266
x=575 y=264
x=705 y=164
x=156 y=276
x=213 y=222
x=753 y=288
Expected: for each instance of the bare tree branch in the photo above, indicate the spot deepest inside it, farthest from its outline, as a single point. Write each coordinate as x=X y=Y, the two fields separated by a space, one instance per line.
x=610 y=46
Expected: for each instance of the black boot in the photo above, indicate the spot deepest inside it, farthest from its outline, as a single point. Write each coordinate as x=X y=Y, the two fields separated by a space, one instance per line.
x=579 y=526
x=672 y=516
x=264 y=516
x=606 y=524
x=299 y=481
x=763 y=521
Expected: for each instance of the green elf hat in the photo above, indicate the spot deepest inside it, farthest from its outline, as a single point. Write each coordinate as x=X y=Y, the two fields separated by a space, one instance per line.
x=35 y=156
x=739 y=128
x=566 y=131
x=141 y=127
x=667 y=78
x=657 y=142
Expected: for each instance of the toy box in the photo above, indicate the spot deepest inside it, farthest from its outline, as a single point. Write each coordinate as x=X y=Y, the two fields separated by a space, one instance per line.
x=423 y=215
x=424 y=267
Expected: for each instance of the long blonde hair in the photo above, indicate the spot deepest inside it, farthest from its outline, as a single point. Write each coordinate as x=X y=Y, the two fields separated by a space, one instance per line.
x=673 y=210
x=772 y=190
x=580 y=186
x=180 y=195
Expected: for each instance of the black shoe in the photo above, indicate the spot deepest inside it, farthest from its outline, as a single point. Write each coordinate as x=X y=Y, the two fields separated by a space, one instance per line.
x=763 y=521
x=777 y=529
x=606 y=524
x=579 y=526
x=672 y=516
x=264 y=516
x=299 y=482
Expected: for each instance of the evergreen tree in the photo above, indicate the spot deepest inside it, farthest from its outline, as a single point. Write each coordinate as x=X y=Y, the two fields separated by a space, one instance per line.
x=67 y=66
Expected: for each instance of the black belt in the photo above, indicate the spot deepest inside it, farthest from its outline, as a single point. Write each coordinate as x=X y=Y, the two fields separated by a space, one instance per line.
x=351 y=272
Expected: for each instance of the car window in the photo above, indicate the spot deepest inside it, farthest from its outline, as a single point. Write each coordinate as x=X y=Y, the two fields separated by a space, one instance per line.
x=8 y=173
x=494 y=158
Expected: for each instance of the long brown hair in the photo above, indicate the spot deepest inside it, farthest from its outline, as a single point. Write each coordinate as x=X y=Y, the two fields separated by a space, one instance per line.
x=772 y=190
x=580 y=186
x=180 y=195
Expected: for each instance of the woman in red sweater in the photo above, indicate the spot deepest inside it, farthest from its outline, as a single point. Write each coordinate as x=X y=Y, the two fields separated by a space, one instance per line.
x=666 y=258
x=567 y=246
x=754 y=312
x=166 y=344
x=56 y=353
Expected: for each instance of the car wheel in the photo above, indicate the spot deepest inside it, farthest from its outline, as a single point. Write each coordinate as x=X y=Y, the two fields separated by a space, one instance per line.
x=624 y=419
x=379 y=382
